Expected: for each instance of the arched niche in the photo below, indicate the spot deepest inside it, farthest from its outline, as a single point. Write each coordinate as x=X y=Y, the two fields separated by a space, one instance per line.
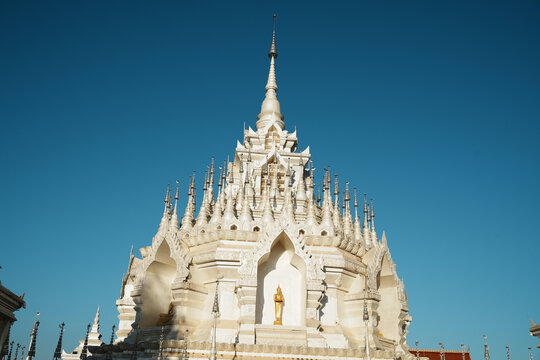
x=156 y=294
x=390 y=305
x=281 y=266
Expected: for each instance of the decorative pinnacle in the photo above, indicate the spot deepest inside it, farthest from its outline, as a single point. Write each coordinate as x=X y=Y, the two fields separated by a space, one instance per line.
x=167 y=194
x=112 y=335
x=215 y=307
x=273 y=49
x=365 y=204
x=366 y=314
x=96 y=318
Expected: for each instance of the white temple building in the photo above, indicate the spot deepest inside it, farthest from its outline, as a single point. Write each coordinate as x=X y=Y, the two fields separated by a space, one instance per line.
x=205 y=286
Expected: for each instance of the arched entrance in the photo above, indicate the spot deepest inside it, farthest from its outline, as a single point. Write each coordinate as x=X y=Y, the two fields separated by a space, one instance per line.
x=281 y=266
x=156 y=294
x=390 y=305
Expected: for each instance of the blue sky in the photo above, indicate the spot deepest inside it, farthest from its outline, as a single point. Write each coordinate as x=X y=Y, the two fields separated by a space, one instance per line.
x=431 y=107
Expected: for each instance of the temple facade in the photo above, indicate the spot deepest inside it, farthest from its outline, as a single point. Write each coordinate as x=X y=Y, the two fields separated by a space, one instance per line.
x=207 y=284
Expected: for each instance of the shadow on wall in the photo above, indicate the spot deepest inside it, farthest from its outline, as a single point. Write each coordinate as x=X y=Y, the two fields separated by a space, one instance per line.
x=156 y=294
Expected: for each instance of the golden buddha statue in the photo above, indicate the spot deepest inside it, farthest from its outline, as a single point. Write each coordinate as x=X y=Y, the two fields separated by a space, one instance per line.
x=165 y=319
x=278 y=300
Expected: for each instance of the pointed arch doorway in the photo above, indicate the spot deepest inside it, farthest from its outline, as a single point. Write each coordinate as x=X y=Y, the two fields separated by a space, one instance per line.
x=281 y=266
x=157 y=295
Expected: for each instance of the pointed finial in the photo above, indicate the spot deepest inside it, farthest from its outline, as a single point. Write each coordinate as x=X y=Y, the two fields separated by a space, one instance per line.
x=365 y=204
x=220 y=179
x=167 y=194
x=225 y=162
x=112 y=334
x=270 y=108
x=84 y=352
x=205 y=184
x=58 y=351
x=96 y=318
x=273 y=49
x=175 y=211
x=177 y=189
x=215 y=307
x=33 y=336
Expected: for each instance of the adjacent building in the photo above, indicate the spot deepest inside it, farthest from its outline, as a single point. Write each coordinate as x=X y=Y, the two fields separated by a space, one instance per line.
x=9 y=303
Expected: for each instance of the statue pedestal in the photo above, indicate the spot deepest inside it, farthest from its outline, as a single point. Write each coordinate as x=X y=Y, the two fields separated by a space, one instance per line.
x=280 y=335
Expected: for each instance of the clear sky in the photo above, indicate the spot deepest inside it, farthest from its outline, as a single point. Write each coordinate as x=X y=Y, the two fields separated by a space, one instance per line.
x=431 y=107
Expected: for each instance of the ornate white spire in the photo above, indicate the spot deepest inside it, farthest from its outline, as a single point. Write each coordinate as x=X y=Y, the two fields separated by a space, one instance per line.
x=270 y=108
x=96 y=318
x=287 y=211
x=326 y=221
x=245 y=215
x=366 y=323
x=165 y=217
x=33 y=336
x=228 y=215
x=311 y=219
x=347 y=219
x=268 y=216
x=187 y=220
x=374 y=239
x=336 y=218
x=215 y=314
x=211 y=184
x=357 y=227
x=216 y=218
x=366 y=234
x=174 y=217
